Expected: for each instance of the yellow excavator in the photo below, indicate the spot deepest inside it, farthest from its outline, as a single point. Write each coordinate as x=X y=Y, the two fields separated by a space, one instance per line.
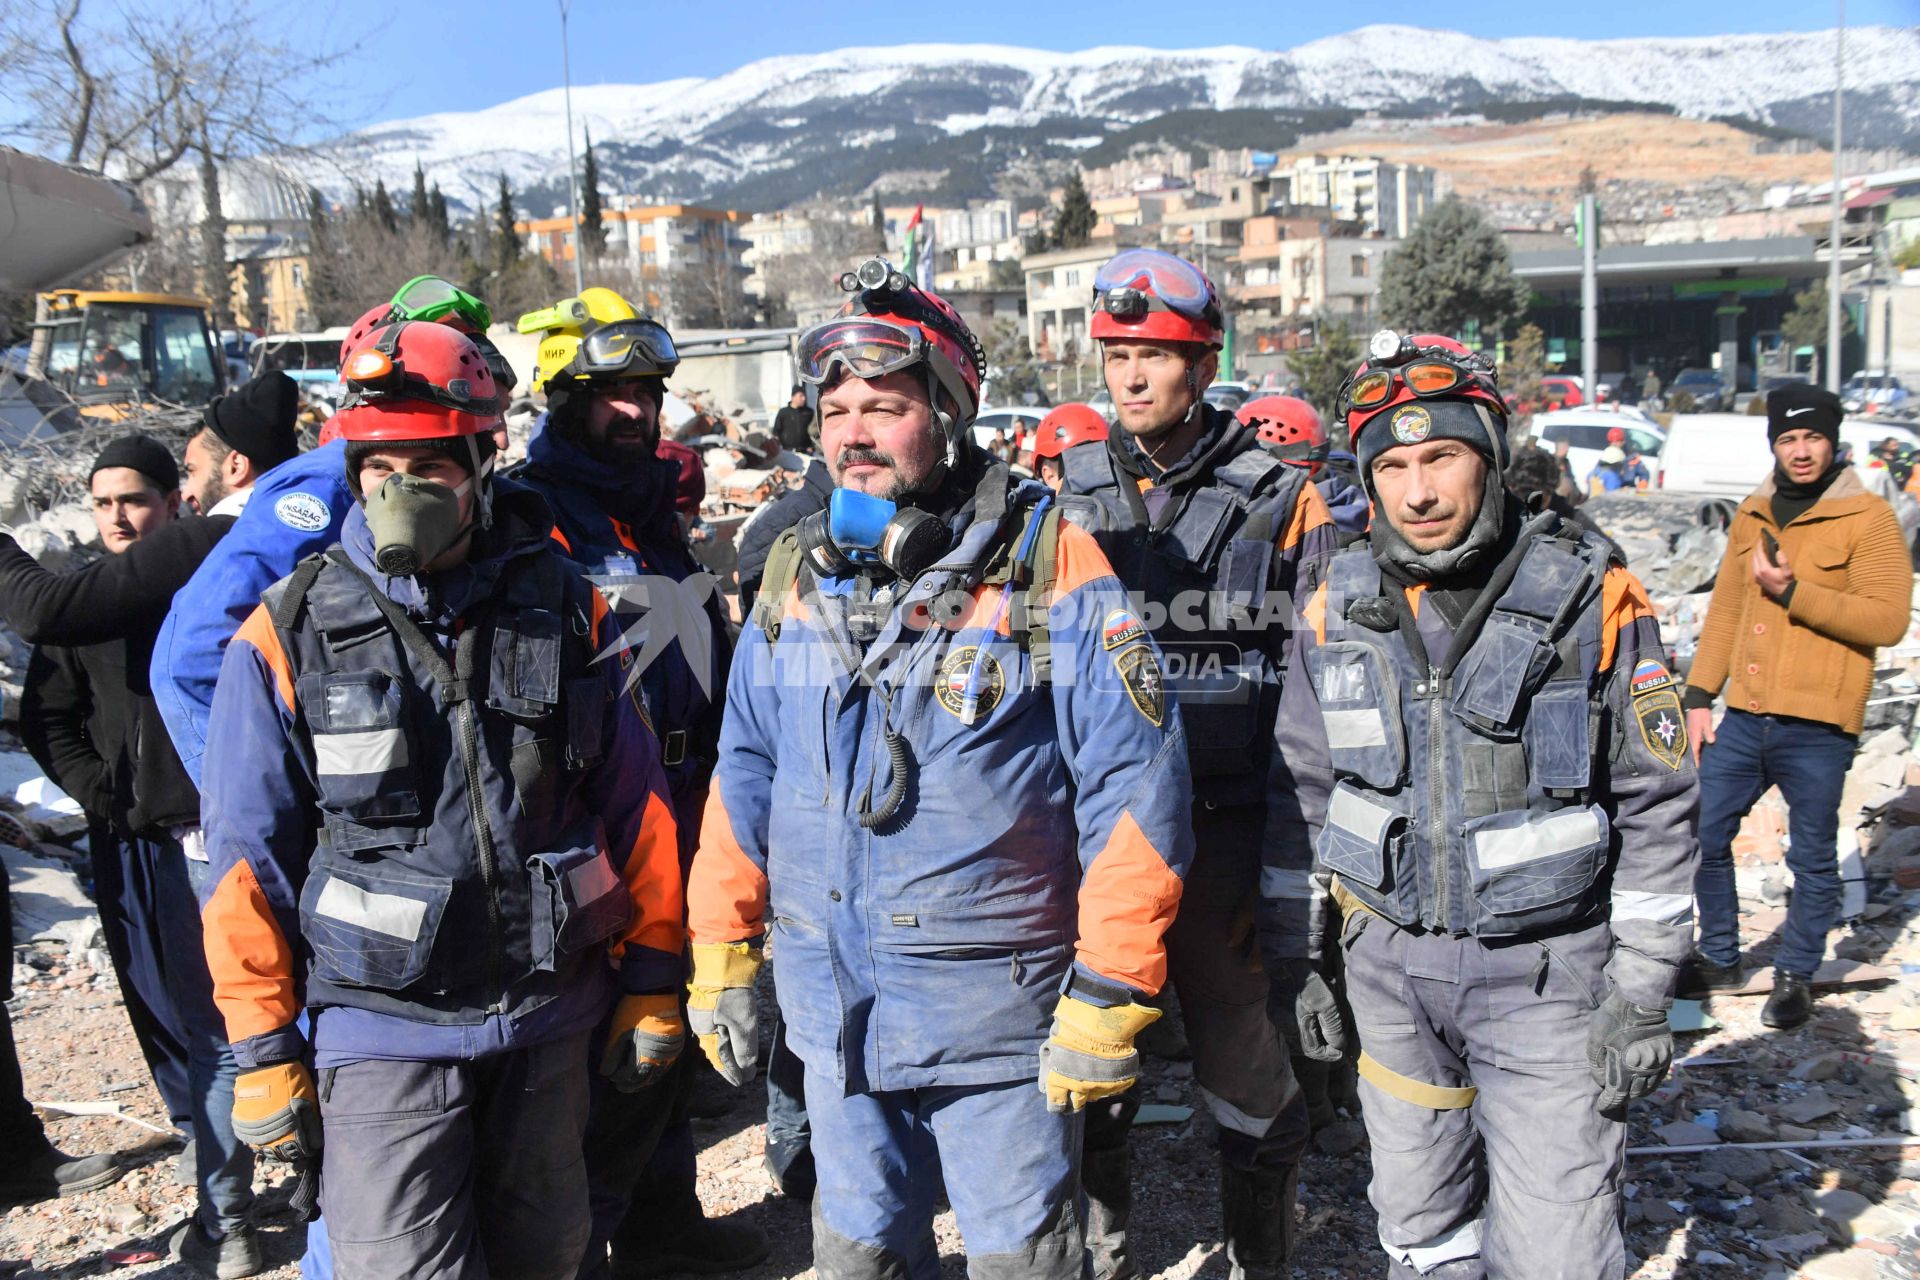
x=111 y=351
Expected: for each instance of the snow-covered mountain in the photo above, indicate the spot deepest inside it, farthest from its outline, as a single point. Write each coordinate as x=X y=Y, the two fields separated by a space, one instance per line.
x=954 y=116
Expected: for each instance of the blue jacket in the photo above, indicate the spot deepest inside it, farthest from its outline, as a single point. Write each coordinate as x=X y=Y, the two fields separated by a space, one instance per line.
x=296 y=509
x=619 y=525
x=348 y=869
x=929 y=949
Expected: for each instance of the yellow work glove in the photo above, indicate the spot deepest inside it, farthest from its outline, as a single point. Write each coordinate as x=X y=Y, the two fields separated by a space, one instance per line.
x=277 y=1112
x=720 y=1007
x=642 y=1042
x=1090 y=1053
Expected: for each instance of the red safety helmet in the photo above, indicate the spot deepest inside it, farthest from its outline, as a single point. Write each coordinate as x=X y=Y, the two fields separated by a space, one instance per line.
x=1065 y=427
x=1151 y=295
x=891 y=325
x=1423 y=366
x=1283 y=420
x=1616 y=435
x=417 y=381
x=362 y=329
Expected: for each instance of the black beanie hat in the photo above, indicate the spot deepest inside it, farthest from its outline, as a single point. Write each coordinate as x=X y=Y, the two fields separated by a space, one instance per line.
x=1800 y=406
x=144 y=454
x=259 y=418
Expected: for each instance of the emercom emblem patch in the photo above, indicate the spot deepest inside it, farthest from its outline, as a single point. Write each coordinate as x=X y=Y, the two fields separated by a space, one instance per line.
x=951 y=688
x=1140 y=676
x=1663 y=725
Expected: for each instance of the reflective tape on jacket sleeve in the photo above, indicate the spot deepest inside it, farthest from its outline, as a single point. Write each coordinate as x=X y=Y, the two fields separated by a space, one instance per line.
x=1562 y=833
x=387 y=913
x=592 y=880
x=1661 y=908
x=1350 y=811
x=1352 y=730
x=1279 y=882
x=368 y=752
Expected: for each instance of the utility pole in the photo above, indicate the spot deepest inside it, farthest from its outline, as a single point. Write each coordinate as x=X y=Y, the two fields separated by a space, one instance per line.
x=1833 y=218
x=1589 y=298
x=573 y=186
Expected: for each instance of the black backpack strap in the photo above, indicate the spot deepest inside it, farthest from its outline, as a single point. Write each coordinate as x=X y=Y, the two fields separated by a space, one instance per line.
x=287 y=598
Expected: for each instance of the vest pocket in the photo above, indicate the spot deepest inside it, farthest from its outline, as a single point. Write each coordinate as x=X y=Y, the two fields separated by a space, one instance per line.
x=363 y=759
x=1557 y=737
x=1360 y=709
x=1531 y=869
x=1507 y=662
x=1355 y=838
x=371 y=924
x=577 y=897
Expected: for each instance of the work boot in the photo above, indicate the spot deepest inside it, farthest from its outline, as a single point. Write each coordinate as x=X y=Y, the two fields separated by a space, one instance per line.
x=1107 y=1178
x=1256 y=1207
x=235 y=1255
x=790 y=1165
x=1790 y=1004
x=691 y=1242
x=186 y=1166
x=54 y=1173
x=1700 y=976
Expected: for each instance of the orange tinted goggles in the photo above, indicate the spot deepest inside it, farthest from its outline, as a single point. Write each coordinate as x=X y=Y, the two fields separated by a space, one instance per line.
x=1422 y=377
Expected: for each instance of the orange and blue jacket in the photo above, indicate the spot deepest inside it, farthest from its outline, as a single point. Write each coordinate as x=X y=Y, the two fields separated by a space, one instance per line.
x=433 y=876
x=938 y=838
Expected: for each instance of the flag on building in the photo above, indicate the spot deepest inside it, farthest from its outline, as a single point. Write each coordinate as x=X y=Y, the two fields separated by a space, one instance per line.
x=918 y=263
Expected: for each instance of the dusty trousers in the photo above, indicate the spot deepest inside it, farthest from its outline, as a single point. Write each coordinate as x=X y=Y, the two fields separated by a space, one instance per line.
x=1490 y=1159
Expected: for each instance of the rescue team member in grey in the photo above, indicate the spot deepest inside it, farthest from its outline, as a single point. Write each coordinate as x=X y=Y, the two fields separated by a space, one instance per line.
x=436 y=818
x=1187 y=505
x=1490 y=759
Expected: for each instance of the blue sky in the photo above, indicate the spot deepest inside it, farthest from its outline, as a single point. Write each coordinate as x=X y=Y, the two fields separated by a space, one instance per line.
x=502 y=49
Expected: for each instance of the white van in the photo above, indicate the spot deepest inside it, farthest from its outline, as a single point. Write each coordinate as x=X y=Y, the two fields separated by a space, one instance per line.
x=1726 y=454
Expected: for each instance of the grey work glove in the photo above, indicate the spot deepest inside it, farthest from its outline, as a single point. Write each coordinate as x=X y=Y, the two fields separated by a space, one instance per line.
x=1308 y=1013
x=1629 y=1048
x=729 y=1033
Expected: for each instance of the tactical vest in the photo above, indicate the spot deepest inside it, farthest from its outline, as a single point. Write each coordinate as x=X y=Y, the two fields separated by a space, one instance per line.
x=460 y=870
x=1464 y=800
x=1215 y=545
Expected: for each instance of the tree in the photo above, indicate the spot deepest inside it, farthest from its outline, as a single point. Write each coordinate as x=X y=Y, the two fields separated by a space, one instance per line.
x=506 y=238
x=1005 y=273
x=1010 y=364
x=214 y=285
x=1324 y=366
x=593 y=232
x=1908 y=258
x=437 y=218
x=1074 y=227
x=383 y=211
x=1520 y=374
x=1806 y=324
x=879 y=220
x=417 y=209
x=1453 y=271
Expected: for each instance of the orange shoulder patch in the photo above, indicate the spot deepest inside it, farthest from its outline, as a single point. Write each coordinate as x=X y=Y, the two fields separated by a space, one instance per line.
x=258 y=631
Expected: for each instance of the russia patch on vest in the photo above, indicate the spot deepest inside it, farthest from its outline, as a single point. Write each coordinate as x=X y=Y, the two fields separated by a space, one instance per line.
x=303 y=511
x=1140 y=675
x=1663 y=726
x=1650 y=675
x=951 y=687
x=1121 y=628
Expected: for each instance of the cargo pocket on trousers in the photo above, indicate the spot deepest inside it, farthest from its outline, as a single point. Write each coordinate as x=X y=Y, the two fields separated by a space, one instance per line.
x=372 y=924
x=578 y=898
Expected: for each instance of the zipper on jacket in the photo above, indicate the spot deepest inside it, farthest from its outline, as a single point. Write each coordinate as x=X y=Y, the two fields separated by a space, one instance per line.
x=1437 y=801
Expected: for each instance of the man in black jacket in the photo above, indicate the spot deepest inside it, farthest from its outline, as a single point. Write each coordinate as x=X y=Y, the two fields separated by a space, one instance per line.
x=793 y=425
x=88 y=717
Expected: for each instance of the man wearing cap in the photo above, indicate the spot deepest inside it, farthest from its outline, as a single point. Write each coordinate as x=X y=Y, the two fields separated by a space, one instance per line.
x=1480 y=759
x=88 y=718
x=247 y=433
x=1816 y=576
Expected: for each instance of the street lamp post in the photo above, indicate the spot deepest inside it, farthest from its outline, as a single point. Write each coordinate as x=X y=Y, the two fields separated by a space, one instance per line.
x=1833 y=229
x=573 y=191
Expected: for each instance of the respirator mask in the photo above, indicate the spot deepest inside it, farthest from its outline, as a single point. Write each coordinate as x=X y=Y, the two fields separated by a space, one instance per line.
x=413 y=522
x=859 y=533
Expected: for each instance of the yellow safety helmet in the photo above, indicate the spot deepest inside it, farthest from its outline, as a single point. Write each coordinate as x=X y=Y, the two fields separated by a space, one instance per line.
x=597 y=337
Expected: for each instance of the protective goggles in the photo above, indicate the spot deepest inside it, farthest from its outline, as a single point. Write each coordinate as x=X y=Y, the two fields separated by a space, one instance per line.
x=1428 y=374
x=430 y=298
x=625 y=346
x=1130 y=284
x=868 y=347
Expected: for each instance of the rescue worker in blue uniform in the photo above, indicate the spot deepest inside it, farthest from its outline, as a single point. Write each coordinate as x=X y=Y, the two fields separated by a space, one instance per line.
x=603 y=368
x=1212 y=535
x=1488 y=758
x=953 y=786
x=436 y=820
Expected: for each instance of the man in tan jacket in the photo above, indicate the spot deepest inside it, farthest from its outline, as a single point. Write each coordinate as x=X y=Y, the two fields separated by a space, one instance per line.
x=1816 y=576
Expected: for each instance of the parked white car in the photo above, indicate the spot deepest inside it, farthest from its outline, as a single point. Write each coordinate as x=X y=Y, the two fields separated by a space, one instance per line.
x=1726 y=454
x=1012 y=422
x=1585 y=432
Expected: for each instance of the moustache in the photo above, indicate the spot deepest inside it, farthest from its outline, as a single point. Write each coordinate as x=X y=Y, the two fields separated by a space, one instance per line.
x=855 y=456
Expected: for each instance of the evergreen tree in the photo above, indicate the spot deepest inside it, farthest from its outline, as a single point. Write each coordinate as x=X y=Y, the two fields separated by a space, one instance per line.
x=593 y=232
x=879 y=220
x=1325 y=365
x=1453 y=271
x=1525 y=365
x=437 y=215
x=507 y=240
x=323 y=251
x=1074 y=227
x=417 y=210
x=383 y=211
